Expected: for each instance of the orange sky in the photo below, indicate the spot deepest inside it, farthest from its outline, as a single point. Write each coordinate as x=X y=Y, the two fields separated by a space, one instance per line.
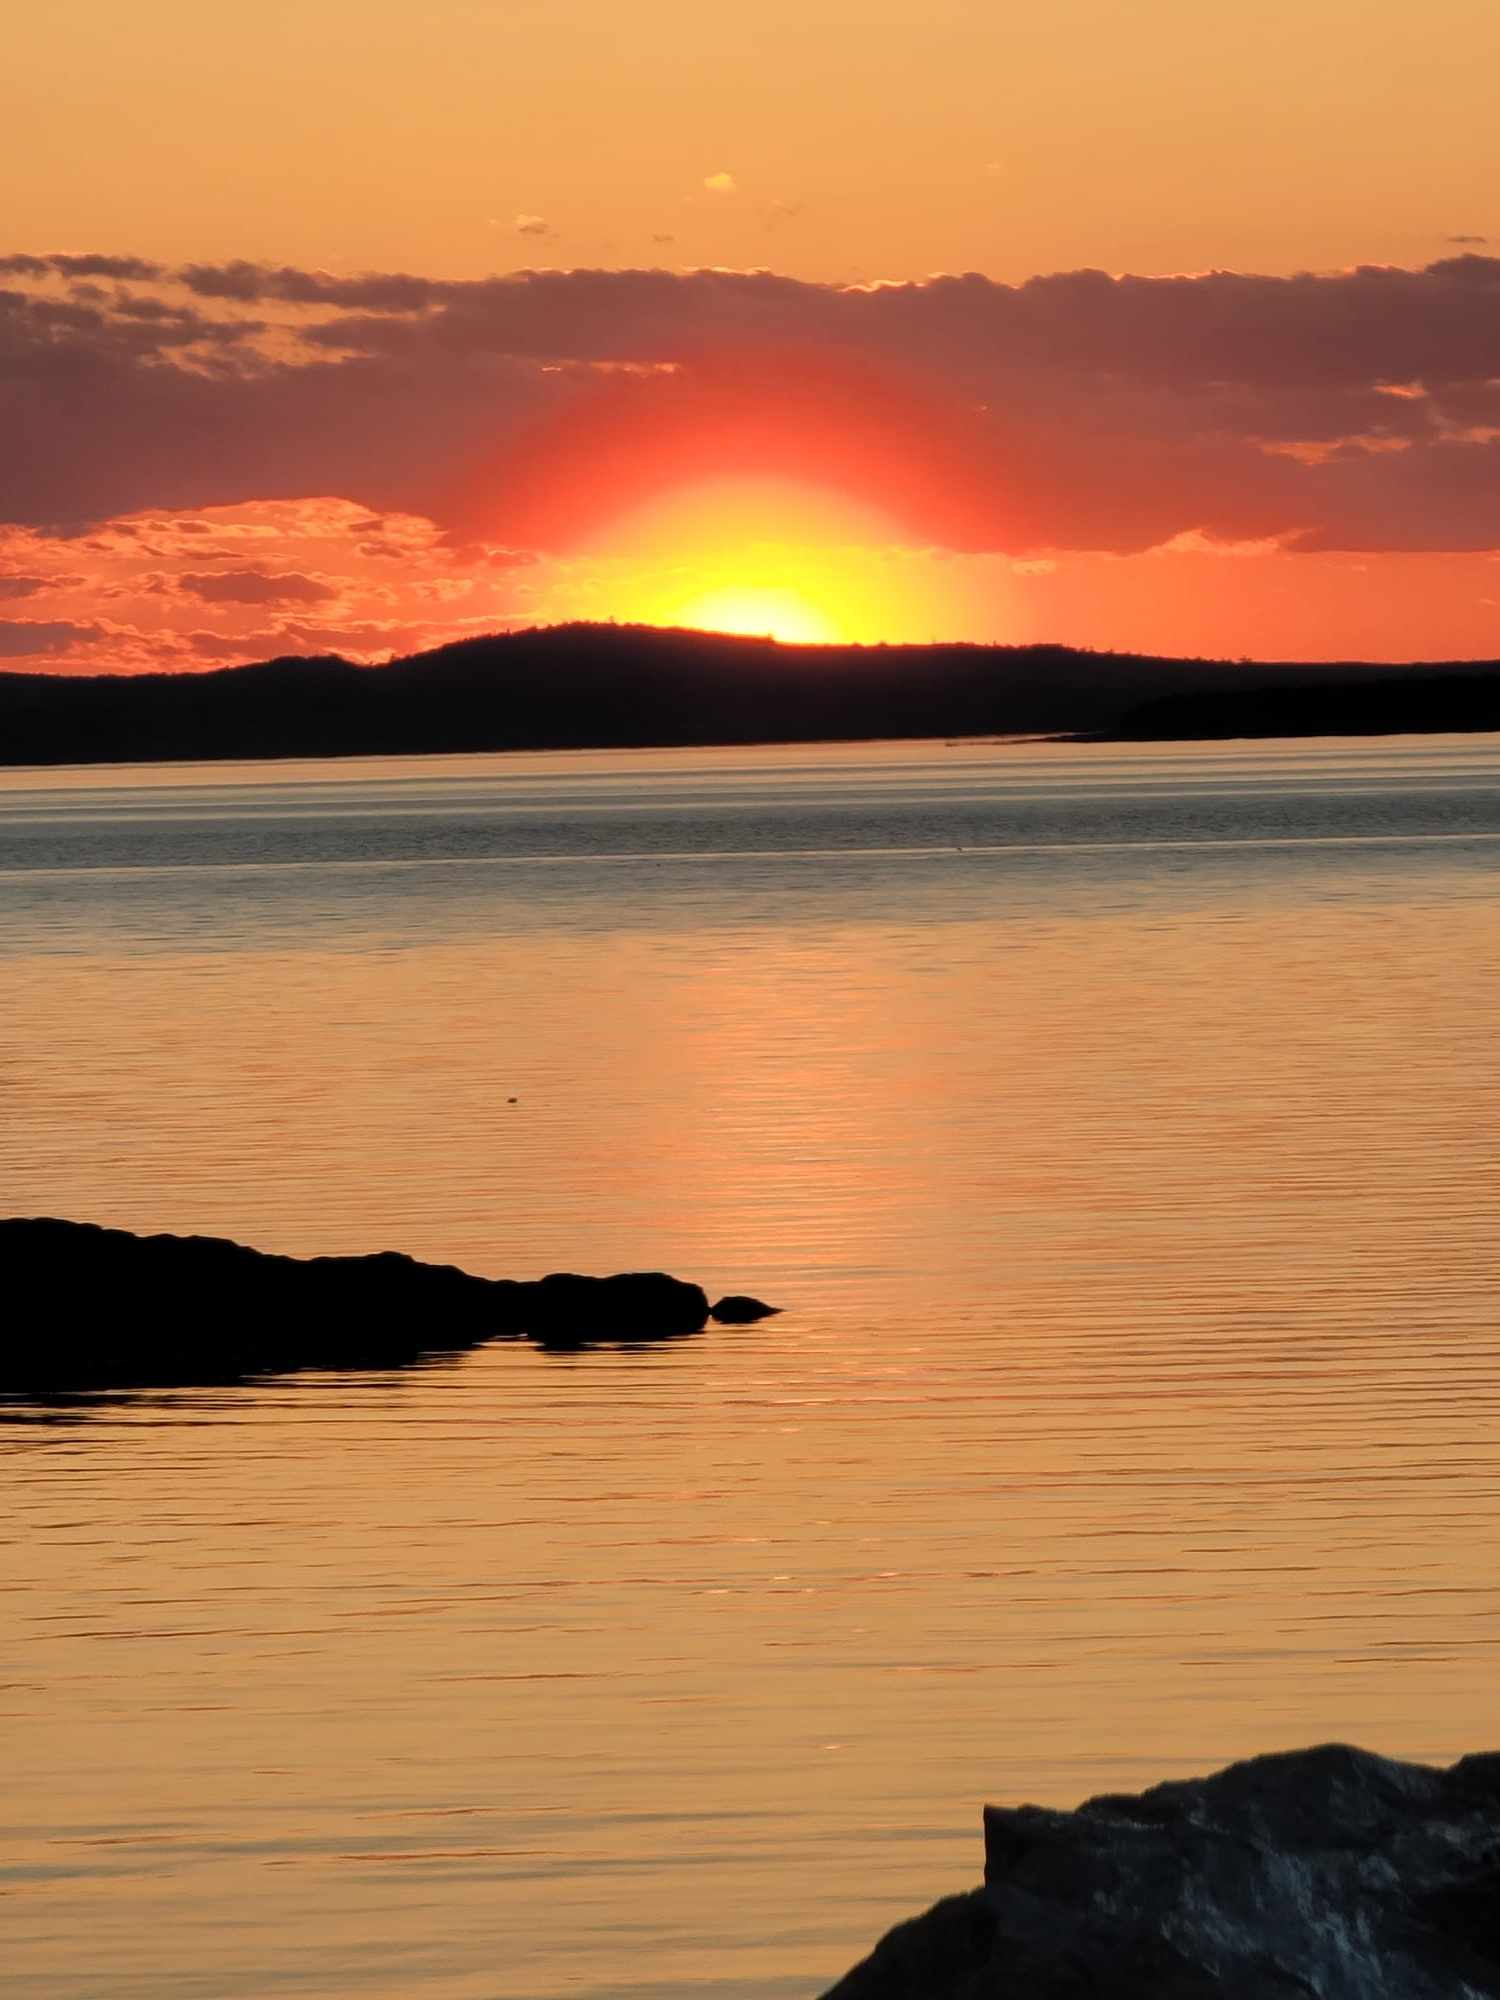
x=268 y=397
x=863 y=139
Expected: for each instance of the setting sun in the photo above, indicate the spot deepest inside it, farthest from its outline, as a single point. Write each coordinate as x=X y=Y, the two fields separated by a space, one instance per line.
x=765 y=557
x=759 y=613
x=769 y=558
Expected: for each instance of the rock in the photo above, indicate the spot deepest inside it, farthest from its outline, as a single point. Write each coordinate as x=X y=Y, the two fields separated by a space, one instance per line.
x=738 y=1309
x=1325 y=1874
x=92 y=1308
x=566 y=1310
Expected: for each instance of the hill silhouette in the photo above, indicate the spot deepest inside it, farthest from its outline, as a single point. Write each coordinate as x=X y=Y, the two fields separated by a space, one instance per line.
x=604 y=686
x=1399 y=704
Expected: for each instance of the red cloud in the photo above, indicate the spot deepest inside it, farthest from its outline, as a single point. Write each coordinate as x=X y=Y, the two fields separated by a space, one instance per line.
x=254 y=586
x=1075 y=411
x=24 y=638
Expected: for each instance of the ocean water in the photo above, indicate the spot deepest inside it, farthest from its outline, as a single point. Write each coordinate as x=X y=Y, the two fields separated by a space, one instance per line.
x=1120 y=1130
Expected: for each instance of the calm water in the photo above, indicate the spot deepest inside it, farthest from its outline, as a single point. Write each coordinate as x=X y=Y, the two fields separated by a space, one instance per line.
x=1122 y=1130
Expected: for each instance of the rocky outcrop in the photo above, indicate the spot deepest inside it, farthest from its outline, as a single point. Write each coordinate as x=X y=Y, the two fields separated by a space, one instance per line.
x=739 y=1309
x=1324 y=1874
x=564 y=1310
x=91 y=1308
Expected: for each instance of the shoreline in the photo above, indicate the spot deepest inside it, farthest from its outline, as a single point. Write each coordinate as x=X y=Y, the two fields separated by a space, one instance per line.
x=611 y=688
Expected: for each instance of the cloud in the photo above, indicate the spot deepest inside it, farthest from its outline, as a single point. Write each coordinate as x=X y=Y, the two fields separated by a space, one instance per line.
x=316 y=575
x=533 y=225
x=249 y=284
x=22 y=586
x=32 y=638
x=1193 y=542
x=1469 y=240
x=1075 y=411
x=254 y=586
x=721 y=183
x=491 y=558
x=88 y=265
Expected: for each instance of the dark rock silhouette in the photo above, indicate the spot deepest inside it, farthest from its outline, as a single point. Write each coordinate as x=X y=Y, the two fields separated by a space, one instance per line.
x=578 y=686
x=94 y=1308
x=1325 y=1874
x=739 y=1309
x=566 y=1310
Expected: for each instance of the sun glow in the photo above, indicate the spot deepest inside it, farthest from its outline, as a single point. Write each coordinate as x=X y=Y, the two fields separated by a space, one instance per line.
x=759 y=613
x=768 y=558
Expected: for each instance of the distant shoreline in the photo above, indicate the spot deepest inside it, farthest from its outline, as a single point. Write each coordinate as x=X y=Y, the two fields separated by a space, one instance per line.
x=611 y=687
x=1449 y=702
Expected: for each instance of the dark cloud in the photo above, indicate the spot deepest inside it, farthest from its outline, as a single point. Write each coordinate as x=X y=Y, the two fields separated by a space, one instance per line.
x=64 y=265
x=1353 y=328
x=25 y=638
x=43 y=335
x=23 y=586
x=106 y=267
x=1343 y=410
x=253 y=586
x=1469 y=240
x=251 y=284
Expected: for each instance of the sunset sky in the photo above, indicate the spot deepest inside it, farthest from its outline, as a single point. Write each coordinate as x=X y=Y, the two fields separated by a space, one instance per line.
x=358 y=327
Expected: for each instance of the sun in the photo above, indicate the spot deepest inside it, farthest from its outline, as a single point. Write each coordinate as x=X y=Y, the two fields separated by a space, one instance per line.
x=782 y=559
x=768 y=558
x=759 y=612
